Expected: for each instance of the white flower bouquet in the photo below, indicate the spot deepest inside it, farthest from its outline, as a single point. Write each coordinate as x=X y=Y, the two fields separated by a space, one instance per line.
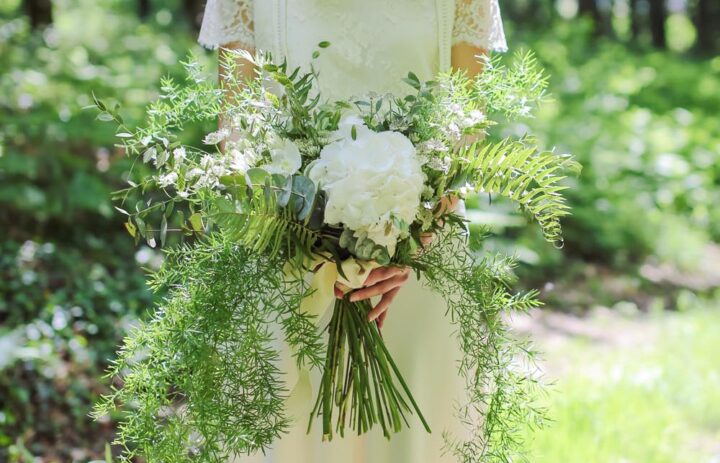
x=293 y=185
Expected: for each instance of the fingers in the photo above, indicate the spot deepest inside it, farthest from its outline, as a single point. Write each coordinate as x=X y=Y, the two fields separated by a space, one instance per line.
x=340 y=290
x=384 y=273
x=383 y=305
x=379 y=289
x=426 y=239
x=381 y=319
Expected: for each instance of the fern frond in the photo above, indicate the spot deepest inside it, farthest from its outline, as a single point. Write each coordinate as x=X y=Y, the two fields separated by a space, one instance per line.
x=516 y=170
x=263 y=227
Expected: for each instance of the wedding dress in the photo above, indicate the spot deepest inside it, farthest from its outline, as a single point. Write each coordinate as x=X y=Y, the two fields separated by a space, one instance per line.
x=373 y=45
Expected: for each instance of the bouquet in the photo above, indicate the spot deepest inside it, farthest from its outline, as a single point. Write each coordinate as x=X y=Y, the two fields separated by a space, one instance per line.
x=293 y=185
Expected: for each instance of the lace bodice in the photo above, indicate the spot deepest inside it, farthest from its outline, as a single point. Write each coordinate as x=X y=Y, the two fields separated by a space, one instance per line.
x=374 y=43
x=477 y=22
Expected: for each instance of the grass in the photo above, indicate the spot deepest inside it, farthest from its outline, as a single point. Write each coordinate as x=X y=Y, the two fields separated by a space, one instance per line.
x=647 y=393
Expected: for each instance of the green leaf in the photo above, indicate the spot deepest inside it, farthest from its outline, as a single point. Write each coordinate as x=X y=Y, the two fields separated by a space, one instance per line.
x=163 y=230
x=324 y=44
x=412 y=80
x=524 y=175
x=140 y=226
x=378 y=105
x=132 y=229
x=256 y=176
x=196 y=222
x=285 y=185
x=303 y=196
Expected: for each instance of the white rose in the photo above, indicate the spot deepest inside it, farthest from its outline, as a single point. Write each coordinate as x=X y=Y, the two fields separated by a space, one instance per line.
x=371 y=182
x=286 y=157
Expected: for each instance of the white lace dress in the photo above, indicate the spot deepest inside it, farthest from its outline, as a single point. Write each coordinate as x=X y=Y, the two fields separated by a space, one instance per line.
x=374 y=43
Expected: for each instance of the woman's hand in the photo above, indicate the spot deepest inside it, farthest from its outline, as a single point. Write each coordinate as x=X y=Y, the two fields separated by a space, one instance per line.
x=382 y=281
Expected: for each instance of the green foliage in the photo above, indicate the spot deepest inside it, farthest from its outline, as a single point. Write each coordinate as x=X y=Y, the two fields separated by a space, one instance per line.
x=643 y=125
x=498 y=369
x=517 y=171
x=70 y=281
x=200 y=378
x=276 y=216
x=279 y=218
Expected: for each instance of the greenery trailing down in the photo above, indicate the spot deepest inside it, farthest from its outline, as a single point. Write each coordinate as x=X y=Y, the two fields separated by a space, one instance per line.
x=184 y=395
x=498 y=368
x=295 y=179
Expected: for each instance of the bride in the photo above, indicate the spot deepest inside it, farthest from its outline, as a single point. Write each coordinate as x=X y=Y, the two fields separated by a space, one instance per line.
x=374 y=44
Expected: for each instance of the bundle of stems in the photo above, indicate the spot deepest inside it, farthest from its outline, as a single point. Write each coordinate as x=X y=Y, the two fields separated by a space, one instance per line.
x=360 y=382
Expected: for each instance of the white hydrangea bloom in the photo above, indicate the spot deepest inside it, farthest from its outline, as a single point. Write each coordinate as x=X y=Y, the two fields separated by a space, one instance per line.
x=371 y=182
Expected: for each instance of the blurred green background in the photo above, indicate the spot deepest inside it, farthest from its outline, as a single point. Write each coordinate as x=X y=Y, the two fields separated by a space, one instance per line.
x=631 y=331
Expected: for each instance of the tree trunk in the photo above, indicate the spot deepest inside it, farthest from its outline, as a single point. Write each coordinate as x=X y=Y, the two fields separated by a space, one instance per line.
x=144 y=9
x=707 y=17
x=589 y=8
x=39 y=12
x=658 y=16
x=634 y=21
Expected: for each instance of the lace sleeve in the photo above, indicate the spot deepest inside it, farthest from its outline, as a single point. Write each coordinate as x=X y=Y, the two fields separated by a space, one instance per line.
x=227 y=21
x=478 y=23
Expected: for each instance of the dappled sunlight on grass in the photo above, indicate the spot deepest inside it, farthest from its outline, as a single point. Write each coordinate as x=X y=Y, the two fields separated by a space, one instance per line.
x=649 y=393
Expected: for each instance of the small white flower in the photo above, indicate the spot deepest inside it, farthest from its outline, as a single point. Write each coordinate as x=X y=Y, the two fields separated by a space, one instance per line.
x=441 y=165
x=453 y=131
x=456 y=109
x=179 y=154
x=150 y=154
x=432 y=146
x=474 y=118
x=194 y=173
x=168 y=179
x=161 y=158
x=213 y=138
x=286 y=157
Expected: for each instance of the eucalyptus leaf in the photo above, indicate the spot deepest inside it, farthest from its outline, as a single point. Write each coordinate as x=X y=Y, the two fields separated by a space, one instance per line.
x=303 y=196
x=285 y=185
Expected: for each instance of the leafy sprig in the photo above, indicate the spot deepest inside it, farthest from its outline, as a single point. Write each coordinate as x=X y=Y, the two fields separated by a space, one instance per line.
x=200 y=380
